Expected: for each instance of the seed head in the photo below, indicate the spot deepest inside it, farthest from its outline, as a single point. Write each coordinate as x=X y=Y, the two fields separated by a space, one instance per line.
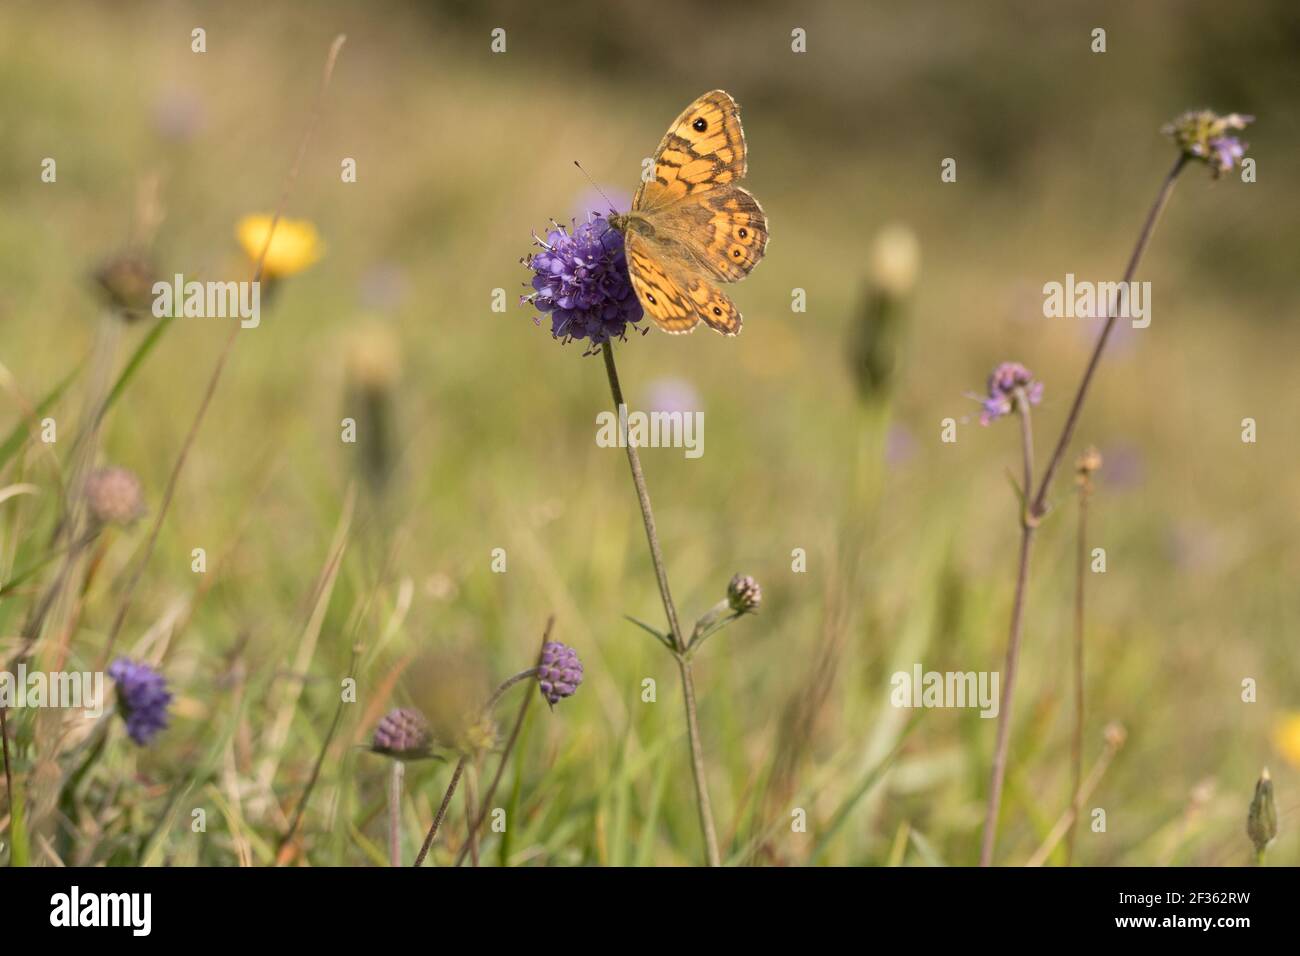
x=114 y=496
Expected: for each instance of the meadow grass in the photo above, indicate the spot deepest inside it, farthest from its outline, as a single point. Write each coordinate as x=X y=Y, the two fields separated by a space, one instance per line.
x=315 y=572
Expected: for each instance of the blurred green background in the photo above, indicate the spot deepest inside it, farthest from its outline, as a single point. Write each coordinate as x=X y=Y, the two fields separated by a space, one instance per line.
x=460 y=154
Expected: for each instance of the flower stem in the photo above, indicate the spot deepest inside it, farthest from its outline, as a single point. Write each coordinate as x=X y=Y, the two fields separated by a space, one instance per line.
x=1076 y=407
x=1027 y=528
x=482 y=811
x=464 y=759
x=471 y=837
x=395 y=813
x=1076 y=746
x=683 y=664
x=1035 y=510
x=442 y=810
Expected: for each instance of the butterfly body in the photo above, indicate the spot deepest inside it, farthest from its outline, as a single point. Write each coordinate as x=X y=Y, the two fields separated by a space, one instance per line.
x=692 y=225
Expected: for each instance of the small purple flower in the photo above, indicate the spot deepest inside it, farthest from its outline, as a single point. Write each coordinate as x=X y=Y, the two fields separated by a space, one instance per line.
x=1008 y=379
x=403 y=734
x=142 y=696
x=1205 y=136
x=559 y=673
x=581 y=279
x=1226 y=152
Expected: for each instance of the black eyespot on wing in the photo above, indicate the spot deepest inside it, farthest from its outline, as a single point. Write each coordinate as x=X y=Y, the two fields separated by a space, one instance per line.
x=716 y=310
x=700 y=125
x=742 y=232
x=652 y=300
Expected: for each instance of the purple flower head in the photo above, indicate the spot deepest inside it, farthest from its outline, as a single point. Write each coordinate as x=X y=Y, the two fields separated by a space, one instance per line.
x=142 y=697
x=403 y=733
x=581 y=279
x=559 y=673
x=1004 y=382
x=1205 y=135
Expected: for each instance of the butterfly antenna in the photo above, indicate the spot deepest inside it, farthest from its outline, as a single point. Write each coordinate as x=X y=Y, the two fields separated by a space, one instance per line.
x=594 y=186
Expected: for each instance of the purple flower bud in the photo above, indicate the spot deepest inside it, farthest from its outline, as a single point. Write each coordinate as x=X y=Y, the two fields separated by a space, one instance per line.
x=142 y=697
x=1007 y=380
x=559 y=673
x=743 y=594
x=403 y=734
x=581 y=280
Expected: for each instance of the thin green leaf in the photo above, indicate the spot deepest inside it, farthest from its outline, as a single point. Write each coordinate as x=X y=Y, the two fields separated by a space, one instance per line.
x=663 y=638
x=18 y=437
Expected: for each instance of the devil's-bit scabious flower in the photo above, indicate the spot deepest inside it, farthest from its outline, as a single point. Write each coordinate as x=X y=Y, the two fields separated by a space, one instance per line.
x=1206 y=136
x=559 y=673
x=402 y=734
x=114 y=496
x=743 y=594
x=1261 y=822
x=580 y=278
x=295 y=246
x=142 y=697
x=1007 y=380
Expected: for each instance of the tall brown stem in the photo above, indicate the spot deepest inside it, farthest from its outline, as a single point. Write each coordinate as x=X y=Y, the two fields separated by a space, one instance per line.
x=1031 y=515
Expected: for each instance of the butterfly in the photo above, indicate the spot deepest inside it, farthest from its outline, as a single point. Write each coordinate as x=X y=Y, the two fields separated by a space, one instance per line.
x=692 y=225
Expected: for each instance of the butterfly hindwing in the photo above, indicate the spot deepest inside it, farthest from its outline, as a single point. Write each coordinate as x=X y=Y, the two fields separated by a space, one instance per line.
x=661 y=297
x=724 y=230
x=718 y=311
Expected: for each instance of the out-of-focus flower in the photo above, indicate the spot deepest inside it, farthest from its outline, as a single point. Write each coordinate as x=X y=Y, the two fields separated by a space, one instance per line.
x=1206 y=136
x=672 y=395
x=895 y=259
x=900 y=445
x=178 y=115
x=1006 y=382
x=295 y=246
x=114 y=496
x=559 y=673
x=373 y=357
x=1087 y=464
x=383 y=287
x=581 y=280
x=592 y=201
x=1286 y=736
x=875 y=335
x=1261 y=821
x=142 y=697
x=403 y=734
x=127 y=280
x=743 y=594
